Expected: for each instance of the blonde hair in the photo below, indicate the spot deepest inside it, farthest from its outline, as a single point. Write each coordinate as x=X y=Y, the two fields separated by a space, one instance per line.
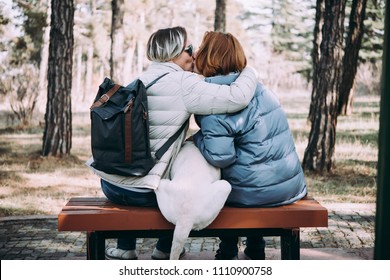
x=166 y=44
x=220 y=54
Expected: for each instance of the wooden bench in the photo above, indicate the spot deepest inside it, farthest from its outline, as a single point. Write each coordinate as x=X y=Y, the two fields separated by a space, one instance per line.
x=101 y=219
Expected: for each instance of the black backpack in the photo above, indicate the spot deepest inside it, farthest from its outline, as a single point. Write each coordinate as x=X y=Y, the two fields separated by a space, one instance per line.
x=120 y=129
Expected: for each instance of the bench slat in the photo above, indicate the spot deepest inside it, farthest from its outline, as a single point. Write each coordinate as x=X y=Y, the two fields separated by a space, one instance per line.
x=99 y=214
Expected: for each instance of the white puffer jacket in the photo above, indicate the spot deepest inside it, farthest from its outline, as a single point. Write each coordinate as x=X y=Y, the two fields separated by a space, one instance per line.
x=171 y=101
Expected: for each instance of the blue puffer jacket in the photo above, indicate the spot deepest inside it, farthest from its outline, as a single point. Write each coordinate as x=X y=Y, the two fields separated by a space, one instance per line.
x=255 y=150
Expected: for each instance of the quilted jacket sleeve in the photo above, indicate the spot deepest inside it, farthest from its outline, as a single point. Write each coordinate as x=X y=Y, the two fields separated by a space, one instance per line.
x=215 y=141
x=204 y=98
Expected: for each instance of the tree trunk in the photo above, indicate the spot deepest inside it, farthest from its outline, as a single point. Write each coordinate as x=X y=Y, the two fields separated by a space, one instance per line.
x=88 y=73
x=57 y=137
x=315 y=53
x=44 y=61
x=140 y=56
x=128 y=67
x=320 y=150
x=351 y=55
x=79 y=73
x=382 y=225
x=140 y=45
x=220 y=16
x=117 y=40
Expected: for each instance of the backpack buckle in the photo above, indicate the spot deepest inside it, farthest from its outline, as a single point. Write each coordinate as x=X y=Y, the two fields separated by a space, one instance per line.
x=104 y=98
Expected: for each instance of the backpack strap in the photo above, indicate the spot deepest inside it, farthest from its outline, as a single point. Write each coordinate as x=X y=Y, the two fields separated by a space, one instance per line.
x=154 y=81
x=160 y=152
x=105 y=97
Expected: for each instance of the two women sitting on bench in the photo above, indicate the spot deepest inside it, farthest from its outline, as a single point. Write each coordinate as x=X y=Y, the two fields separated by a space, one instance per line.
x=243 y=131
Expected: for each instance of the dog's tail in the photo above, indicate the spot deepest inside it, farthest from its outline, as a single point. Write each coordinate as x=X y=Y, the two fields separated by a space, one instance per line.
x=180 y=234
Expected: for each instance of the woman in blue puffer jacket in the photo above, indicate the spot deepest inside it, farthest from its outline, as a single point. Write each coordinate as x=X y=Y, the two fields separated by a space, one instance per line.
x=254 y=148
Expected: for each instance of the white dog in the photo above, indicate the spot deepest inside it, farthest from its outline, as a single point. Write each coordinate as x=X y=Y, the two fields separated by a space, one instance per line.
x=193 y=197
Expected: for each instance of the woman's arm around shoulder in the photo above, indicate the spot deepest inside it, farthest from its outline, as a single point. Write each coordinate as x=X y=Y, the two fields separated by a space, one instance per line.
x=205 y=98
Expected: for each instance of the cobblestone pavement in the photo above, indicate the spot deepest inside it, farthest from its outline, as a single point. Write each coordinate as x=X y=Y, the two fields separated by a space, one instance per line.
x=350 y=235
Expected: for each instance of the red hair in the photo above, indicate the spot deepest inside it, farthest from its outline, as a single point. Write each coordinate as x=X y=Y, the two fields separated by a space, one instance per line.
x=219 y=54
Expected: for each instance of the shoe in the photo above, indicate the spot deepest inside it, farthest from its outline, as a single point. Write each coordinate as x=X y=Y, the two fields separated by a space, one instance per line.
x=254 y=254
x=160 y=255
x=222 y=256
x=119 y=254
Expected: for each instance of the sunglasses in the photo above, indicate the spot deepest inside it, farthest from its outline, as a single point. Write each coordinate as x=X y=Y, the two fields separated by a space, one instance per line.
x=189 y=50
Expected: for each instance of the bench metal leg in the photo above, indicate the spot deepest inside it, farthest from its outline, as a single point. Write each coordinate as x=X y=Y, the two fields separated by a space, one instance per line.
x=96 y=244
x=290 y=244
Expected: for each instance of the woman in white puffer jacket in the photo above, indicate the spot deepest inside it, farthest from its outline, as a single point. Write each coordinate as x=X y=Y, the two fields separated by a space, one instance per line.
x=171 y=101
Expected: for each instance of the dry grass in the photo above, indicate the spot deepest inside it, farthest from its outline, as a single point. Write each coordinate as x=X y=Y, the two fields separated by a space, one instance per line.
x=353 y=179
x=30 y=184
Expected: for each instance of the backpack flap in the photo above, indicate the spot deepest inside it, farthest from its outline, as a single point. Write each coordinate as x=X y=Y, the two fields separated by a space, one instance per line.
x=113 y=100
x=118 y=103
x=107 y=112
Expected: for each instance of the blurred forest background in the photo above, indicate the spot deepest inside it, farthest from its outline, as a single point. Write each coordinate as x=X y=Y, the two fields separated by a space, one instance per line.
x=279 y=37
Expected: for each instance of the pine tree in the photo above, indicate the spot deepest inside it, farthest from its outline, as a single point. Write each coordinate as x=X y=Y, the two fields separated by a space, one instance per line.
x=372 y=44
x=351 y=54
x=319 y=153
x=117 y=40
x=57 y=137
x=220 y=16
x=292 y=32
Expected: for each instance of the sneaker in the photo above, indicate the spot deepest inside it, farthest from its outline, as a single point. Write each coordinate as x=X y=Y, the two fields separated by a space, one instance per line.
x=222 y=256
x=254 y=254
x=160 y=255
x=119 y=254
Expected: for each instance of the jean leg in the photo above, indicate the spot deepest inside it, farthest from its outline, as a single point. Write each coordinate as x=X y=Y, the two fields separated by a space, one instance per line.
x=164 y=243
x=228 y=245
x=255 y=242
x=126 y=243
